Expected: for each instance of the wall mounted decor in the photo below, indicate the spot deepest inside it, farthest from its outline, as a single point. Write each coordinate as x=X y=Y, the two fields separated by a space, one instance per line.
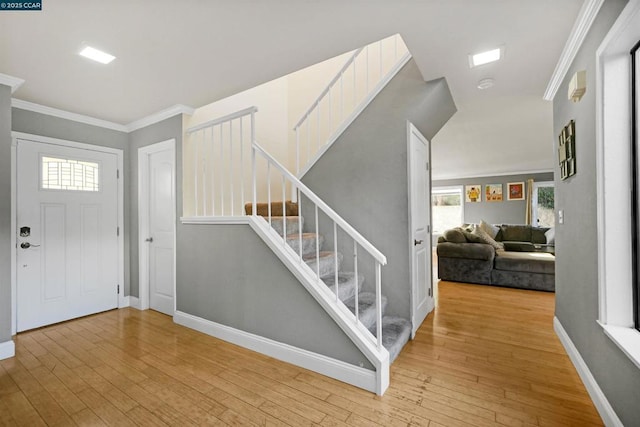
x=493 y=192
x=567 y=150
x=473 y=193
x=515 y=191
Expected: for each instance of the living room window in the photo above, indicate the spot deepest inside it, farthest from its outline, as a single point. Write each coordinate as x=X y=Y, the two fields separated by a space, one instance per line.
x=447 y=208
x=543 y=204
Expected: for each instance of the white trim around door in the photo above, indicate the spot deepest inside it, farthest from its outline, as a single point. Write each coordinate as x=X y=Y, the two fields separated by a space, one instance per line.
x=15 y=136
x=142 y=302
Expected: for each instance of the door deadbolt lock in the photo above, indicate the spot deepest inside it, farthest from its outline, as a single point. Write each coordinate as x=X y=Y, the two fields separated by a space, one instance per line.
x=27 y=245
x=149 y=239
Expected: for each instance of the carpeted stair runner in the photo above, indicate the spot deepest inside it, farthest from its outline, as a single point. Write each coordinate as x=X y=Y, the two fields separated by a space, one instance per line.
x=396 y=331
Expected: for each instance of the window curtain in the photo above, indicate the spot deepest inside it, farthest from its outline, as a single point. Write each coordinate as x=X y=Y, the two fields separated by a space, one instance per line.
x=528 y=213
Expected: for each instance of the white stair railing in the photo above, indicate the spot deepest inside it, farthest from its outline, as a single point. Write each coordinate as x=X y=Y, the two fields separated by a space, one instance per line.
x=364 y=74
x=288 y=182
x=222 y=177
x=217 y=155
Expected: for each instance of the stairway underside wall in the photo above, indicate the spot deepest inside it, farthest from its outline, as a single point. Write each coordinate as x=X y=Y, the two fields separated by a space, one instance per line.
x=228 y=275
x=363 y=176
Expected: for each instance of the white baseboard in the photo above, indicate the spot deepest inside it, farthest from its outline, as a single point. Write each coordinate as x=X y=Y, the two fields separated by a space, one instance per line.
x=354 y=375
x=7 y=349
x=603 y=406
x=134 y=302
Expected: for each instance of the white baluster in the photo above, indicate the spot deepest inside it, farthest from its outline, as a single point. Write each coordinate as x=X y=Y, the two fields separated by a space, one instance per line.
x=317 y=127
x=242 y=201
x=297 y=151
x=253 y=160
x=204 y=172
x=380 y=53
x=221 y=172
x=213 y=175
x=341 y=96
x=231 y=189
x=366 y=91
x=194 y=145
x=378 y=305
x=317 y=248
x=269 y=191
x=300 y=226
x=355 y=272
x=330 y=113
x=308 y=140
x=284 y=211
x=335 y=249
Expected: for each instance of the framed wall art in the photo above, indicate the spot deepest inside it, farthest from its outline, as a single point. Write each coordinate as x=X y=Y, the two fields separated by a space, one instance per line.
x=473 y=193
x=493 y=192
x=515 y=191
x=567 y=150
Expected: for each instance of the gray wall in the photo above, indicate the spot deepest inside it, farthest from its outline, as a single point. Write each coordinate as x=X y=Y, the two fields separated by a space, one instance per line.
x=54 y=127
x=363 y=176
x=576 y=239
x=158 y=132
x=228 y=275
x=505 y=212
x=5 y=213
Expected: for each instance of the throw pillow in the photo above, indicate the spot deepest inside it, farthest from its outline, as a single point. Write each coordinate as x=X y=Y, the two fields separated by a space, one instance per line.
x=472 y=238
x=491 y=230
x=486 y=238
x=550 y=234
x=454 y=235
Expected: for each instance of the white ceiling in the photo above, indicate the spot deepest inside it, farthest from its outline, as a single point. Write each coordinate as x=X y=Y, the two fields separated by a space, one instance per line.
x=194 y=52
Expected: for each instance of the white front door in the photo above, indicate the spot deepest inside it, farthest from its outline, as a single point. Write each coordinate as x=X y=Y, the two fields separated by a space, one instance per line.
x=157 y=220
x=67 y=241
x=420 y=227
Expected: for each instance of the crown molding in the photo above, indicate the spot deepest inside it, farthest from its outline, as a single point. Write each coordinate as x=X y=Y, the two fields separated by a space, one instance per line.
x=55 y=112
x=581 y=27
x=11 y=81
x=445 y=177
x=160 y=116
x=80 y=118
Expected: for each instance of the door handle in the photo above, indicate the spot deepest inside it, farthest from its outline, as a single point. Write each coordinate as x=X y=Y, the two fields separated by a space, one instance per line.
x=149 y=239
x=27 y=245
x=417 y=242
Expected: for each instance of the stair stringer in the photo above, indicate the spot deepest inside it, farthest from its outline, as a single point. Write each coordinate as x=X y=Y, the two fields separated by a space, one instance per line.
x=357 y=333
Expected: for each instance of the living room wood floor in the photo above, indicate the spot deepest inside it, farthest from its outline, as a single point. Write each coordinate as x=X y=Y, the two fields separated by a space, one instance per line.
x=487 y=356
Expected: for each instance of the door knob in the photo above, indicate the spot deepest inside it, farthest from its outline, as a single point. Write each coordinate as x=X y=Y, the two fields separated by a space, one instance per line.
x=149 y=239
x=27 y=245
x=417 y=242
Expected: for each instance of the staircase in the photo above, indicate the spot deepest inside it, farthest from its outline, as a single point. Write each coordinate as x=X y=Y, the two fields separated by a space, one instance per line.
x=395 y=330
x=228 y=167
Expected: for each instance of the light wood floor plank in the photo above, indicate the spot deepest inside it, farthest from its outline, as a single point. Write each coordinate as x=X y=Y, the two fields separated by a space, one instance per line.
x=486 y=357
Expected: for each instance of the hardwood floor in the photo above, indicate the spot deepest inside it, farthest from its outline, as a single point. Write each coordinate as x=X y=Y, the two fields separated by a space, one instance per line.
x=487 y=357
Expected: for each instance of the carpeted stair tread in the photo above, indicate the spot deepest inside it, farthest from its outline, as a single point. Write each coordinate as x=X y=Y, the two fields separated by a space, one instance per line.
x=396 y=332
x=294 y=224
x=346 y=284
x=262 y=209
x=366 y=307
x=327 y=262
x=308 y=242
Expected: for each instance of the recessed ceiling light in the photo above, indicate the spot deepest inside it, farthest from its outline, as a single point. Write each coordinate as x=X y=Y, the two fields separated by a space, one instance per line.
x=96 y=55
x=486 y=57
x=486 y=84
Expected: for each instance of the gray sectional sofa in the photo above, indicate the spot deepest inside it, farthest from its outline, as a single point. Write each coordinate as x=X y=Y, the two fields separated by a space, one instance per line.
x=517 y=256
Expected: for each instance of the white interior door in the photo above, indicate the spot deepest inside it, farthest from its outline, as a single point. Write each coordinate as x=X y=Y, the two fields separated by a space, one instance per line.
x=67 y=242
x=157 y=193
x=420 y=227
